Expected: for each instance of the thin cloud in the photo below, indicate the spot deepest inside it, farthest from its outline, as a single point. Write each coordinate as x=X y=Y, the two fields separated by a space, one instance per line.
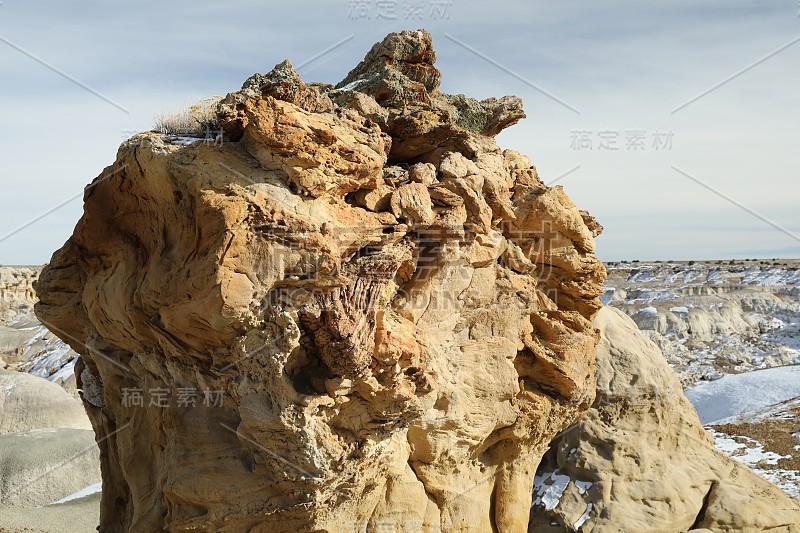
x=623 y=64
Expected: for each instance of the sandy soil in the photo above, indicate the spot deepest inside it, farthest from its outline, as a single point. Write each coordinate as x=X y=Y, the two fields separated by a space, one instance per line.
x=77 y=516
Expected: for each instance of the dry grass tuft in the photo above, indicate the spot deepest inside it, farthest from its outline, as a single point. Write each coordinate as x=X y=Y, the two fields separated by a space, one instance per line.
x=198 y=119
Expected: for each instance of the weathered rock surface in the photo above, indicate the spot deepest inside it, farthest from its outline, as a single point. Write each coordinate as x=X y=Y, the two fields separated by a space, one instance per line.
x=396 y=312
x=17 y=295
x=639 y=459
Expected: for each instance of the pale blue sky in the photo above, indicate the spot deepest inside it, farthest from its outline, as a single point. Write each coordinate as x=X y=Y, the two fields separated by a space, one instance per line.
x=623 y=65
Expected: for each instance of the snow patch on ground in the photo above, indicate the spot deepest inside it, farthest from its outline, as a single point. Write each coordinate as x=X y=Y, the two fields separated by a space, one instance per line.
x=771 y=277
x=641 y=276
x=47 y=356
x=52 y=359
x=86 y=491
x=585 y=516
x=548 y=489
x=715 y=276
x=718 y=401
x=353 y=85
x=751 y=453
x=583 y=486
x=182 y=140
x=607 y=296
x=786 y=480
x=781 y=411
x=647 y=296
x=65 y=373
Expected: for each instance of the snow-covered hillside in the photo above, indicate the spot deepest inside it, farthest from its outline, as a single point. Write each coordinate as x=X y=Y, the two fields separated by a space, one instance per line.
x=730 y=397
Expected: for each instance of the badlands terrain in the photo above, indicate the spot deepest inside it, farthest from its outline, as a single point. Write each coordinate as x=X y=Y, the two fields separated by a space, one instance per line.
x=712 y=318
x=405 y=330
x=49 y=462
x=731 y=331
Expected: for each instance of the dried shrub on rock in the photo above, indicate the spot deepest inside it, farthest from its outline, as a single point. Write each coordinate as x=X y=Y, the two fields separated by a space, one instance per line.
x=198 y=119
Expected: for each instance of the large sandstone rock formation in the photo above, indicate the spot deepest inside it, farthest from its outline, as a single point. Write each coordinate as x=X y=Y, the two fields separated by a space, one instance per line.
x=639 y=459
x=396 y=311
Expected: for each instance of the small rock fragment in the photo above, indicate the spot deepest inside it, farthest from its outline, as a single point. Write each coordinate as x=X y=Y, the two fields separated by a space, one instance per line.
x=424 y=173
x=455 y=166
x=412 y=203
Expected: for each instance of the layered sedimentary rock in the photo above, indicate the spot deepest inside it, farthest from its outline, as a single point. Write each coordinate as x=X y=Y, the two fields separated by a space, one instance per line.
x=711 y=318
x=391 y=314
x=639 y=459
x=16 y=291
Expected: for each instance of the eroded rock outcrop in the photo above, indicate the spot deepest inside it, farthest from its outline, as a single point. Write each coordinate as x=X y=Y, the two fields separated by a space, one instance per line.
x=395 y=312
x=639 y=459
x=26 y=345
x=16 y=291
